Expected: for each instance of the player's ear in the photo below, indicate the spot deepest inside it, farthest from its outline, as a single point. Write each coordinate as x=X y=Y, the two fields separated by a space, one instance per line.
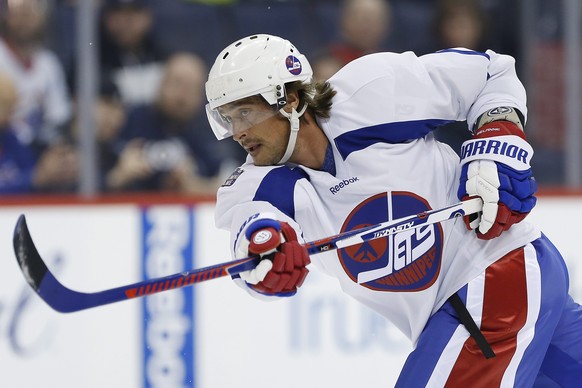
x=292 y=101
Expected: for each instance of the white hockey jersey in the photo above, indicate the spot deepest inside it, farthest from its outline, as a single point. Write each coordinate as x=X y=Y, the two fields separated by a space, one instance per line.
x=388 y=165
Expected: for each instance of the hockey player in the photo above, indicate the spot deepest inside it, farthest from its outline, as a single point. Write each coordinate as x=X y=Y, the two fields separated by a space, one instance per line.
x=325 y=158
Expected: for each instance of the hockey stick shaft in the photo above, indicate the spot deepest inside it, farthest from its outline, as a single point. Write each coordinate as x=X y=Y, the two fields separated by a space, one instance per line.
x=64 y=299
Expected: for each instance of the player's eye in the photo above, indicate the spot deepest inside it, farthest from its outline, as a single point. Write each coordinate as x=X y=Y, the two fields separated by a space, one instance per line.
x=244 y=113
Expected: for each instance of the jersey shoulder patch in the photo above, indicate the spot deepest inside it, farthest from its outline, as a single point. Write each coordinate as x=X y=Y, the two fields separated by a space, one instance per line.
x=233 y=177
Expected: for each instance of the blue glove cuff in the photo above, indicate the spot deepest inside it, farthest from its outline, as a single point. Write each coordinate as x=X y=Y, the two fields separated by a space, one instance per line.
x=262 y=224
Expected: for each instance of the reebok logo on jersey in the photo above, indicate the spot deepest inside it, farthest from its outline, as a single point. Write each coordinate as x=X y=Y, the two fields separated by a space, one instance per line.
x=335 y=189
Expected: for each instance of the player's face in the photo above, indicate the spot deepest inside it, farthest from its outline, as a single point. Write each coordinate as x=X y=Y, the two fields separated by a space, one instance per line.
x=262 y=131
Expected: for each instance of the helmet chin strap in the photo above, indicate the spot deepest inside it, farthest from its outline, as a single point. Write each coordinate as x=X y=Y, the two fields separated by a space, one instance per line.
x=293 y=118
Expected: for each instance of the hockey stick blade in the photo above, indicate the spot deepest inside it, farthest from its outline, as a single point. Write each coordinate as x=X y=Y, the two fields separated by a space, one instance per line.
x=64 y=299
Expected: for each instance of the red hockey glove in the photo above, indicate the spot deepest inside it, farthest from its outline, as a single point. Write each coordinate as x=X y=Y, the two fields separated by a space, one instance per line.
x=496 y=167
x=283 y=269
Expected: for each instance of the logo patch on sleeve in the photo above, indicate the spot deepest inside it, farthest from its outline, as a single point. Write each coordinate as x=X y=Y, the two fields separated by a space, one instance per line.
x=233 y=177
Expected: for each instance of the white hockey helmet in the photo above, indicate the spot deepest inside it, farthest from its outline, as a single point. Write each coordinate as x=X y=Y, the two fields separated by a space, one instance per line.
x=256 y=65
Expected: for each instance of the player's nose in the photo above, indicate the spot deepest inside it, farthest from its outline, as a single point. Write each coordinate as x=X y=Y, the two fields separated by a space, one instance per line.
x=239 y=135
x=239 y=130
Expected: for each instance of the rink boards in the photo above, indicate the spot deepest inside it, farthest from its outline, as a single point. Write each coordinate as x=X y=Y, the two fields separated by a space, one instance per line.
x=211 y=335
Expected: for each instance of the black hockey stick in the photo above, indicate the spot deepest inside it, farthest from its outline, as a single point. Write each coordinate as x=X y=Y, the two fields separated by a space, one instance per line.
x=64 y=299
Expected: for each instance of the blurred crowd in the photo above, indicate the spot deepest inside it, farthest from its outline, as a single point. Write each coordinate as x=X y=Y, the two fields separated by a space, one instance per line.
x=153 y=57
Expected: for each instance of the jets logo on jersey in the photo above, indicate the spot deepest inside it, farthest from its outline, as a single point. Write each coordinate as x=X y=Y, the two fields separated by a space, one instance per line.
x=405 y=261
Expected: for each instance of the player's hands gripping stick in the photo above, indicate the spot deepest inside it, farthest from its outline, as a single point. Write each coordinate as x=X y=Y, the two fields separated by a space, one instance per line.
x=283 y=268
x=496 y=167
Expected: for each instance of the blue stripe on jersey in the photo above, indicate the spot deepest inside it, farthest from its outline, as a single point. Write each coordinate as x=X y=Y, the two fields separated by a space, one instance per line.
x=465 y=52
x=277 y=188
x=393 y=133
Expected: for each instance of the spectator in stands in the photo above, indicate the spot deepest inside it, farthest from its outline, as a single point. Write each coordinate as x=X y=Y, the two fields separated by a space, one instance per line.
x=364 y=29
x=169 y=146
x=43 y=106
x=57 y=169
x=325 y=65
x=109 y=117
x=128 y=51
x=460 y=23
x=20 y=171
x=16 y=160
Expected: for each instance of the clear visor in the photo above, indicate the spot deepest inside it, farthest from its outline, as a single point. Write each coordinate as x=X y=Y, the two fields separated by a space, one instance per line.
x=238 y=116
x=221 y=128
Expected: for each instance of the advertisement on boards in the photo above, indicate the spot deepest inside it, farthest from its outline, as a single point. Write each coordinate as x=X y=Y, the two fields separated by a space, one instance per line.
x=209 y=335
